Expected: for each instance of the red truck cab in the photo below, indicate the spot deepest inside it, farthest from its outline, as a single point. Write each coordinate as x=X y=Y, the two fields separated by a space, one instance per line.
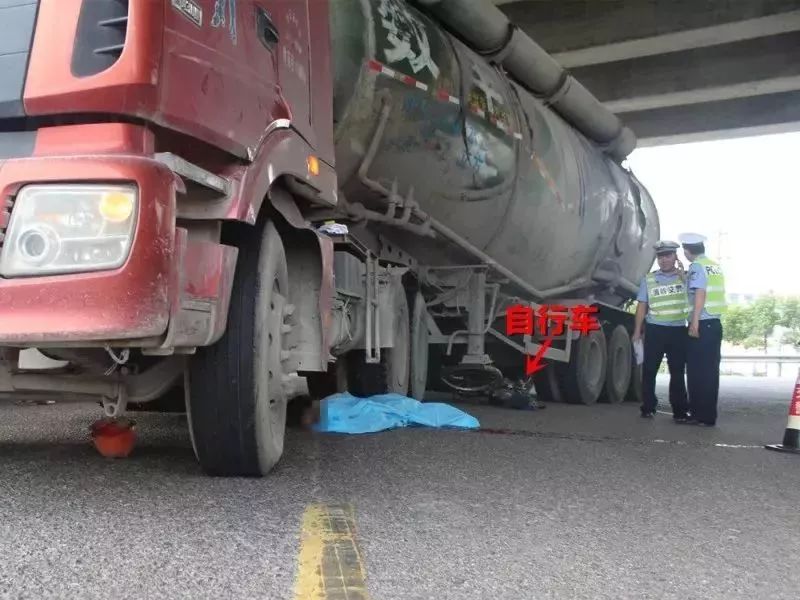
x=150 y=151
x=149 y=95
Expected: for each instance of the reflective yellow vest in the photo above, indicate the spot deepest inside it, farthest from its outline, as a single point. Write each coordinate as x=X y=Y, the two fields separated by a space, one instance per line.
x=715 y=286
x=667 y=301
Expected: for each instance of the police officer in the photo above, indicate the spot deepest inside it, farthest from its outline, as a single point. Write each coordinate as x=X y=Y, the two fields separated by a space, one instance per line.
x=706 y=284
x=663 y=304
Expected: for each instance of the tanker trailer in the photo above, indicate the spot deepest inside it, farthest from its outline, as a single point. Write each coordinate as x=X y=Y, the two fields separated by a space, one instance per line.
x=490 y=196
x=185 y=241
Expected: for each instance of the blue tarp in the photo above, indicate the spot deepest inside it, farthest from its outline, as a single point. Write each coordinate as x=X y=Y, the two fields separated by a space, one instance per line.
x=345 y=413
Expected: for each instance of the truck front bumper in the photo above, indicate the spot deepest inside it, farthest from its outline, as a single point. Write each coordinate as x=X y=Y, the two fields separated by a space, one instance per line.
x=132 y=302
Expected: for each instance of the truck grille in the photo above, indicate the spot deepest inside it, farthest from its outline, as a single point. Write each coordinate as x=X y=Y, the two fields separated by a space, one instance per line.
x=102 y=28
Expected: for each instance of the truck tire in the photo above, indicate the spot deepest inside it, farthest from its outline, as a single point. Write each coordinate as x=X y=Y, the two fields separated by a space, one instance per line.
x=583 y=378
x=547 y=385
x=236 y=404
x=618 y=371
x=419 y=347
x=635 y=388
x=391 y=375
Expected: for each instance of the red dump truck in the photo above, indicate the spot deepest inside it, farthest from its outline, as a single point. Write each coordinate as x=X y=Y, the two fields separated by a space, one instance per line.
x=254 y=201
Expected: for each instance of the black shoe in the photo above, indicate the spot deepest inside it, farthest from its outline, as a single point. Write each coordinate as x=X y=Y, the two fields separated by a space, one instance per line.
x=681 y=419
x=686 y=421
x=648 y=414
x=704 y=424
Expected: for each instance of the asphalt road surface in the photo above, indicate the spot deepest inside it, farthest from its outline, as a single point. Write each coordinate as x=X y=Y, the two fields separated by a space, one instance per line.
x=569 y=502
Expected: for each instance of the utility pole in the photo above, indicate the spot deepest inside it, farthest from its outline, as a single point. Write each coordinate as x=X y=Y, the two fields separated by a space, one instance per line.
x=720 y=237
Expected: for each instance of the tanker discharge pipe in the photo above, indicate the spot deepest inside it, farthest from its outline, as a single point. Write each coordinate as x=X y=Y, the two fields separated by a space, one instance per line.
x=488 y=30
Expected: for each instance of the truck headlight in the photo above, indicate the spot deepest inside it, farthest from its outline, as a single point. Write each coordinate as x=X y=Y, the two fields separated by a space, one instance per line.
x=69 y=229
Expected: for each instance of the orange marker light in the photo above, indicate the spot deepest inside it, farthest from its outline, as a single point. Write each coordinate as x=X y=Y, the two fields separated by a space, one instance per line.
x=116 y=206
x=313 y=165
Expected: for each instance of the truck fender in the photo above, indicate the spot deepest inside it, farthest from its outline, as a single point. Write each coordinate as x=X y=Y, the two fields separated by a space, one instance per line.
x=310 y=261
x=282 y=155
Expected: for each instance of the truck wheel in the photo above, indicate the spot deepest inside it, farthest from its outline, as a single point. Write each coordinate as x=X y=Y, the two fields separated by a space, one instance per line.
x=236 y=404
x=635 y=388
x=583 y=378
x=618 y=372
x=547 y=386
x=419 y=348
x=391 y=374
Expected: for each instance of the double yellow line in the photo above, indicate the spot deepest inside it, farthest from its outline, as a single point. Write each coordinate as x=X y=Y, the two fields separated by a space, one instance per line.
x=330 y=565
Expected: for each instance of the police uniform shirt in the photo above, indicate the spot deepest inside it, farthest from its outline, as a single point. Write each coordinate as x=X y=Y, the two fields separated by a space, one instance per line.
x=661 y=279
x=698 y=280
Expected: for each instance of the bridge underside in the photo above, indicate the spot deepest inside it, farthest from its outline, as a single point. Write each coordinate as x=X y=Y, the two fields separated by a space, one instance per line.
x=678 y=70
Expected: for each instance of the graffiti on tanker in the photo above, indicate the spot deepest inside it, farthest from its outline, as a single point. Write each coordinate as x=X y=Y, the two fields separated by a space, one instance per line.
x=485 y=100
x=406 y=39
x=457 y=144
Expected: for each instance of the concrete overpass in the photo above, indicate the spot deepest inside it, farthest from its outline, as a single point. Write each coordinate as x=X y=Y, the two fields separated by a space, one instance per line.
x=678 y=70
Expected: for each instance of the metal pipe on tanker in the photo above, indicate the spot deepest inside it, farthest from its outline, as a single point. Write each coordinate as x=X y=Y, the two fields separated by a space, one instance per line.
x=477 y=313
x=489 y=31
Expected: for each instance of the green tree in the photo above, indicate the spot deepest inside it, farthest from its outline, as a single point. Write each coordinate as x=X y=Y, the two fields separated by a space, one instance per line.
x=790 y=318
x=791 y=338
x=752 y=341
x=764 y=318
x=736 y=324
x=790 y=312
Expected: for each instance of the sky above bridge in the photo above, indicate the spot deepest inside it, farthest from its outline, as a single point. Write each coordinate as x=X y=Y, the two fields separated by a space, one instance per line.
x=744 y=194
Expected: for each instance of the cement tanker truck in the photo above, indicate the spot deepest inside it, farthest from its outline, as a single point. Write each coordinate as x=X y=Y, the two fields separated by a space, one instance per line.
x=249 y=203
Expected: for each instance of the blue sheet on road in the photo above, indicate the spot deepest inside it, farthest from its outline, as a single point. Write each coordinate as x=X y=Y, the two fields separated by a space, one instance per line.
x=345 y=413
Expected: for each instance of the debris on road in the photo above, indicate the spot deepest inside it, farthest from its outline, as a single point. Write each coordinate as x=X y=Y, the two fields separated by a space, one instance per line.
x=345 y=413
x=510 y=394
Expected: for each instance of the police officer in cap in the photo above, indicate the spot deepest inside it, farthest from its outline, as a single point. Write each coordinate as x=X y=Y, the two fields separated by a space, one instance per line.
x=706 y=284
x=663 y=305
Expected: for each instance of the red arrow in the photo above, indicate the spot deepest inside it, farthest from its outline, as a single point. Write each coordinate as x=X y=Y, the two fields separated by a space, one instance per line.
x=532 y=365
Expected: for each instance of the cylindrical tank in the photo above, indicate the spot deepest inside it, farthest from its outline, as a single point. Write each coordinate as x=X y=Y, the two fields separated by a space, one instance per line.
x=484 y=156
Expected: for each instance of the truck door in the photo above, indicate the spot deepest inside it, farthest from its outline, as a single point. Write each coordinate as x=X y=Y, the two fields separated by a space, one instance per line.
x=283 y=28
x=231 y=68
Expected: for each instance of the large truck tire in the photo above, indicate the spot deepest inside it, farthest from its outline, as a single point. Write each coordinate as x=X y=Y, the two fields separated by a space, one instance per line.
x=619 y=362
x=391 y=375
x=635 y=388
x=419 y=348
x=547 y=385
x=583 y=378
x=236 y=404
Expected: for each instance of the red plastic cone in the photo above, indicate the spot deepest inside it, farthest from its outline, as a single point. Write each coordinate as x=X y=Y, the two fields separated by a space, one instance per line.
x=114 y=438
x=791 y=437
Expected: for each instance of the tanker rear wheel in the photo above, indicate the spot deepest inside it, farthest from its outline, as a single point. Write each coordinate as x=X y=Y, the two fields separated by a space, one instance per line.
x=619 y=363
x=547 y=386
x=391 y=375
x=583 y=378
x=635 y=388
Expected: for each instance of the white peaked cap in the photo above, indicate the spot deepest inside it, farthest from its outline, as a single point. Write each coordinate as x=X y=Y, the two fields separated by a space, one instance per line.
x=692 y=238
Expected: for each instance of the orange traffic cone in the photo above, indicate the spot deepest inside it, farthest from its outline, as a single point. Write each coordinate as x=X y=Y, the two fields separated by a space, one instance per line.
x=114 y=438
x=791 y=437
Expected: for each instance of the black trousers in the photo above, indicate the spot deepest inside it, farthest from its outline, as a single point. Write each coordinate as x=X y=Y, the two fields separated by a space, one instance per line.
x=658 y=341
x=702 y=371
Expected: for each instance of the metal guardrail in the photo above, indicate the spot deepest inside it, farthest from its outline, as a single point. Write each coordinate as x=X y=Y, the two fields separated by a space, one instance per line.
x=762 y=359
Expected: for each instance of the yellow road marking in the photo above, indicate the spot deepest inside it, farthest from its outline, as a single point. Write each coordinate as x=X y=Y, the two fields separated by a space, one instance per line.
x=330 y=565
